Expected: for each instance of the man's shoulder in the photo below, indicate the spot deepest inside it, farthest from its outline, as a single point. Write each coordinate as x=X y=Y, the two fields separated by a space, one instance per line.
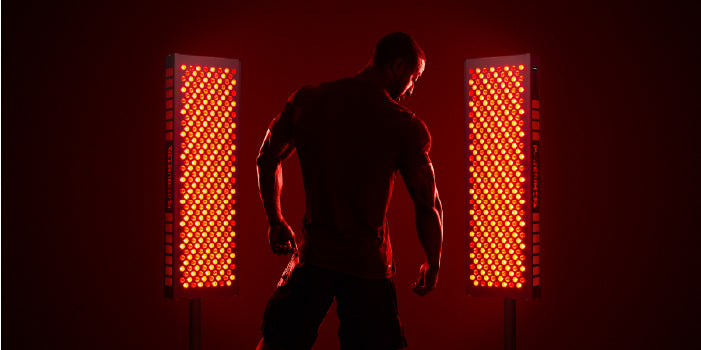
x=389 y=105
x=342 y=84
x=307 y=91
x=403 y=111
x=351 y=86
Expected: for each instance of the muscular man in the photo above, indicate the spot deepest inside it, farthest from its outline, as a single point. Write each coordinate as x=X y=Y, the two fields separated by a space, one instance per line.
x=352 y=137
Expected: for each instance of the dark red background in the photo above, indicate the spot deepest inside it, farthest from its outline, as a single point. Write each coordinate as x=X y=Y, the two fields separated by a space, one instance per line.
x=83 y=138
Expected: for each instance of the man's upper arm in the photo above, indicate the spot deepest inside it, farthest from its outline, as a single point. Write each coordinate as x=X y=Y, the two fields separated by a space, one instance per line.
x=278 y=144
x=416 y=145
x=421 y=184
x=415 y=165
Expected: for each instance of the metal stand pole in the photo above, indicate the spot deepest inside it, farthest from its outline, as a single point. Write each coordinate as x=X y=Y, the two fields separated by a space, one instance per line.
x=509 y=324
x=195 y=318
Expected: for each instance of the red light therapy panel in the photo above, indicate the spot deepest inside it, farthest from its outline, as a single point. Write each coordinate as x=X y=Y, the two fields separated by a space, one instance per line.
x=202 y=130
x=503 y=219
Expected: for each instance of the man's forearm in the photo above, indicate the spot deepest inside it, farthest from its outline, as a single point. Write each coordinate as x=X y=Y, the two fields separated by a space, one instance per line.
x=270 y=186
x=429 y=226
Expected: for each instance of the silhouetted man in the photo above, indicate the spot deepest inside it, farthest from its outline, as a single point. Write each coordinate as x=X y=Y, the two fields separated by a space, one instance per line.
x=352 y=137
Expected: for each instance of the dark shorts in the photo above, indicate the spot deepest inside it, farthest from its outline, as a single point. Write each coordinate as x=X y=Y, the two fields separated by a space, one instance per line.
x=367 y=310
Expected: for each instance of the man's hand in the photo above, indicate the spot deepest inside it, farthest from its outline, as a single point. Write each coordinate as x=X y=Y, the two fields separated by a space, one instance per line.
x=428 y=278
x=282 y=238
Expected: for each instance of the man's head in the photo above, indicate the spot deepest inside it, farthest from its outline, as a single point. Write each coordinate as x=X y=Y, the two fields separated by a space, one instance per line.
x=401 y=60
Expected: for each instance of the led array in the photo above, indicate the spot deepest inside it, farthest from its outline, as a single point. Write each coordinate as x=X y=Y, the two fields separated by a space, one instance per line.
x=497 y=246
x=207 y=181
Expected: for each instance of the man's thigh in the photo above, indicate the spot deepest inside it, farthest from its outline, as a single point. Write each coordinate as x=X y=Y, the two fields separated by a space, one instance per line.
x=295 y=311
x=368 y=313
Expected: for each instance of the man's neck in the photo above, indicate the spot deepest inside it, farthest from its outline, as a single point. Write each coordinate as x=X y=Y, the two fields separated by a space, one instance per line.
x=374 y=76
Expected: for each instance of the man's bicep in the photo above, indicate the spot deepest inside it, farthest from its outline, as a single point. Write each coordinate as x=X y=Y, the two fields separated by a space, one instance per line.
x=277 y=146
x=416 y=146
x=421 y=184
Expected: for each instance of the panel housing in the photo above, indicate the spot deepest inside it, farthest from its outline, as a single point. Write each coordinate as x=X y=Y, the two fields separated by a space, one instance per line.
x=502 y=124
x=201 y=204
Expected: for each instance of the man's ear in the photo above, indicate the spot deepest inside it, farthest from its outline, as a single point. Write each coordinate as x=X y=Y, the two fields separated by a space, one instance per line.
x=397 y=66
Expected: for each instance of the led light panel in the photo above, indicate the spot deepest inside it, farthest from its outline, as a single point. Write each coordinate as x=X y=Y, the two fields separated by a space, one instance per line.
x=201 y=176
x=503 y=219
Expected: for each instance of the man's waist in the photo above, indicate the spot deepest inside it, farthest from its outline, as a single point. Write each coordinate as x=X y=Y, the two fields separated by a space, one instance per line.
x=349 y=257
x=355 y=235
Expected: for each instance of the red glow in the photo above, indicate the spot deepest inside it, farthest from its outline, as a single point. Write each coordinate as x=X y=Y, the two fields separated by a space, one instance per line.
x=204 y=173
x=497 y=183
